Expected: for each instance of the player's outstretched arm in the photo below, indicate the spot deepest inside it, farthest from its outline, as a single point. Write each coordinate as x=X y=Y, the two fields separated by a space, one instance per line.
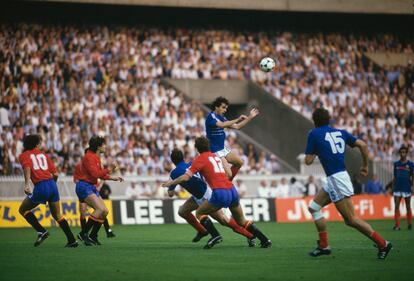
x=178 y=180
x=230 y=123
x=246 y=119
x=363 y=148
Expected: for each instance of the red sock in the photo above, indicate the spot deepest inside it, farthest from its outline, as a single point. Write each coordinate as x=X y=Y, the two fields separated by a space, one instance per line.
x=378 y=239
x=409 y=215
x=397 y=217
x=237 y=228
x=323 y=239
x=195 y=223
x=234 y=171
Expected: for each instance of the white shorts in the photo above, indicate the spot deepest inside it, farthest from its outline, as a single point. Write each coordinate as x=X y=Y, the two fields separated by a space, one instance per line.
x=206 y=196
x=339 y=186
x=402 y=194
x=223 y=153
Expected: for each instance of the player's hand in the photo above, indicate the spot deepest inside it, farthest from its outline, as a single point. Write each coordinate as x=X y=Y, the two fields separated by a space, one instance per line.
x=241 y=118
x=364 y=171
x=27 y=190
x=118 y=179
x=254 y=112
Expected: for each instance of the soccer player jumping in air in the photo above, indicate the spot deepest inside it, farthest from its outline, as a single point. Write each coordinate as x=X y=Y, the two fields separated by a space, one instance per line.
x=90 y=171
x=402 y=184
x=329 y=145
x=215 y=125
x=215 y=170
x=38 y=167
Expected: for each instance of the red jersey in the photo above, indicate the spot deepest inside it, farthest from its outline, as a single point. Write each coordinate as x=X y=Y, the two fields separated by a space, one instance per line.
x=41 y=166
x=91 y=169
x=77 y=172
x=211 y=167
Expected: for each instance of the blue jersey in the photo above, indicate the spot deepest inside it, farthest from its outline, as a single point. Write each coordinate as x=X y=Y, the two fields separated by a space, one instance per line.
x=329 y=145
x=195 y=186
x=215 y=135
x=402 y=176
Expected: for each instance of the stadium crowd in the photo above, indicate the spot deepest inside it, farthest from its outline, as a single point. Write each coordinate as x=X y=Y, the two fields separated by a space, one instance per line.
x=67 y=82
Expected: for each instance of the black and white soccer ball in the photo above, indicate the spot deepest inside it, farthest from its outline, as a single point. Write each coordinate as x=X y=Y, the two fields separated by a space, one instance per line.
x=267 y=64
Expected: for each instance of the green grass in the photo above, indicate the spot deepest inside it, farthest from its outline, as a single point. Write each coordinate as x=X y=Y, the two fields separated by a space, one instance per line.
x=164 y=252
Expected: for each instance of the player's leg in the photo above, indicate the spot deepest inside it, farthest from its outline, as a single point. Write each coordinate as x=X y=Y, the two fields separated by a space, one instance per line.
x=397 y=215
x=96 y=219
x=237 y=213
x=185 y=212
x=236 y=162
x=83 y=211
x=230 y=222
x=346 y=208
x=320 y=200
x=63 y=223
x=202 y=213
x=109 y=232
x=25 y=210
x=409 y=213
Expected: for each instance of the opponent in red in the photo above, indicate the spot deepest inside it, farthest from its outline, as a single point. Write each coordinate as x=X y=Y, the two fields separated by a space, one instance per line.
x=90 y=171
x=39 y=168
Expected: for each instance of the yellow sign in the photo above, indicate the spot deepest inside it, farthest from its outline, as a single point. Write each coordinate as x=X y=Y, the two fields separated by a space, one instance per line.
x=10 y=216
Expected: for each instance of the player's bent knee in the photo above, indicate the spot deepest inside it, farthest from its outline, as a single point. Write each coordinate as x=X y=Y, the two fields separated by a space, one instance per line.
x=181 y=212
x=315 y=210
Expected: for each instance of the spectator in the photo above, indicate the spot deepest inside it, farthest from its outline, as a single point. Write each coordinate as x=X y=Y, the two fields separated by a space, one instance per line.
x=283 y=189
x=241 y=188
x=132 y=191
x=297 y=189
x=263 y=191
x=311 y=187
x=374 y=186
x=273 y=188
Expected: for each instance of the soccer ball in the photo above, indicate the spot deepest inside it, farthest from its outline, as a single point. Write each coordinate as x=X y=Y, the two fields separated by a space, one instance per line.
x=267 y=64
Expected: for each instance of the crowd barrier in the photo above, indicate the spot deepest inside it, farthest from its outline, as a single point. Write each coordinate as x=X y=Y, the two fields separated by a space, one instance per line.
x=165 y=211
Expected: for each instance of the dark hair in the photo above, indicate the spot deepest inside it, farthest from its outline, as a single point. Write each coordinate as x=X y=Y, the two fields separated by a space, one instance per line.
x=177 y=156
x=31 y=141
x=218 y=101
x=202 y=144
x=320 y=117
x=95 y=142
x=403 y=147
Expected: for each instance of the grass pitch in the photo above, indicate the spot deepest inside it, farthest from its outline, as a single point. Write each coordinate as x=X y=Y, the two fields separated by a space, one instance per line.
x=165 y=252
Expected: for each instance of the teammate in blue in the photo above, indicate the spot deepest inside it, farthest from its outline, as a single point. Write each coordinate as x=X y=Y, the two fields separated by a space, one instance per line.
x=329 y=145
x=199 y=190
x=215 y=125
x=402 y=184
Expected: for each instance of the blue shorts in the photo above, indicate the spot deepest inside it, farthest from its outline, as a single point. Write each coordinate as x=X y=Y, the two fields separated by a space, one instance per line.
x=44 y=191
x=224 y=198
x=84 y=189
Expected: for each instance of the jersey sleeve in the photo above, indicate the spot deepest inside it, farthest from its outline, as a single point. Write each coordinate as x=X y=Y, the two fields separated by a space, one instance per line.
x=349 y=138
x=311 y=144
x=91 y=166
x=196 y=166
x=395 y=169
x=52 y=167
x=211 y=120
x=24 y=161
x=173 y=176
